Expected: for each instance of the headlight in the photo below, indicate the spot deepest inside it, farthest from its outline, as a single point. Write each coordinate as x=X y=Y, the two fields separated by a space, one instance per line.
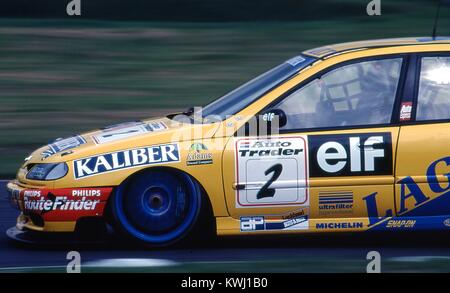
x=47 y=171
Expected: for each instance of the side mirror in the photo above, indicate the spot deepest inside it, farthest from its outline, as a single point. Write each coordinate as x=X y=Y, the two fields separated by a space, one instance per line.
x=271 y=115
x=267 y=123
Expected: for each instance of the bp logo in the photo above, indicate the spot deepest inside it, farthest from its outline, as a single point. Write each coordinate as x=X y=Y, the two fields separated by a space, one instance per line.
x=199 y=155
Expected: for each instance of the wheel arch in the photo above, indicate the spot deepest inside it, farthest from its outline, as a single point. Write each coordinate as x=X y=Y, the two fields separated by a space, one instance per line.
x=207 y=208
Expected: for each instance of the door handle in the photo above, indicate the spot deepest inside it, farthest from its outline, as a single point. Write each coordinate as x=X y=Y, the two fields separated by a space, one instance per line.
x=238 y=186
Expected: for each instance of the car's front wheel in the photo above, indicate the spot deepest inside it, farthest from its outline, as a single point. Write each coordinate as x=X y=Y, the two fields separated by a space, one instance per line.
x=157 y=207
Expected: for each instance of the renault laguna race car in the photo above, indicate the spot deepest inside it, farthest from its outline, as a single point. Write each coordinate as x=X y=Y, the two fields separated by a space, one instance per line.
x=344 y=138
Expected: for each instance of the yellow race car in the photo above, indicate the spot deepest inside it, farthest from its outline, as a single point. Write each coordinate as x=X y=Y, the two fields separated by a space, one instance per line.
x=349 y=137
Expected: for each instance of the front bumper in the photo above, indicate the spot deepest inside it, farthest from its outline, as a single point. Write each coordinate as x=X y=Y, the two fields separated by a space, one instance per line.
x=26 y=236
x=56 y=210
x=33 y=237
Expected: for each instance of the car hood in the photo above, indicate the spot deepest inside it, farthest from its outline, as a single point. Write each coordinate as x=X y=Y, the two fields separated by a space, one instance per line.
x=119 y=137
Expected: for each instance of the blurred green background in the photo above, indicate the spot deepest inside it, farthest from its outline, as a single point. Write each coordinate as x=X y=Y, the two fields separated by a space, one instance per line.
x=64 y=75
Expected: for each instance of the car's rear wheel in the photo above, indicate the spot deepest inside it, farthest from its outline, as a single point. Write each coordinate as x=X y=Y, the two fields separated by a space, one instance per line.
x=157 y=207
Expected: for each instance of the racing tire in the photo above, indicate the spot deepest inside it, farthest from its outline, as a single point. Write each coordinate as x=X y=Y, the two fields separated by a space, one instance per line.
x=157 y=207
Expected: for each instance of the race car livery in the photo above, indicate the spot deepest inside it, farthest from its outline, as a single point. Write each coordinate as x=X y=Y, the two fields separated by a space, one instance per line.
x=344 y=138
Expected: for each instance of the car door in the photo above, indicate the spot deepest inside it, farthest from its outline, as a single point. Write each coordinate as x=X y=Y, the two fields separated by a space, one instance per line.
x=336 y=150
x=422 y=170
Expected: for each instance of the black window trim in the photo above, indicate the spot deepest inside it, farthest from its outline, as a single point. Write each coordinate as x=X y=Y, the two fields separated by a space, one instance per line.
x=398 y=97
x=409 y=89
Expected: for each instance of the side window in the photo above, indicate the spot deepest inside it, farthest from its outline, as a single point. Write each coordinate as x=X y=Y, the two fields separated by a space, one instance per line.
x=434 y=89
x=357 y=94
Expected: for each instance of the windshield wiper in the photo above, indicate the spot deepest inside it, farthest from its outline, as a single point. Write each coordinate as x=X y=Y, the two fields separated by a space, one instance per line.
x=188 y=113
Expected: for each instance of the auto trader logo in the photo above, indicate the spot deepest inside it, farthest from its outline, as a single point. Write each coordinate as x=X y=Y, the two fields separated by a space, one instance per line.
x=125 y=159
x=268 y=148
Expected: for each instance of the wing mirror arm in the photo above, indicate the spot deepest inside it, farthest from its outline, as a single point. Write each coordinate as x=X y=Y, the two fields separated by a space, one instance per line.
x=277 y=117
x=266 y=123
x=270 y=121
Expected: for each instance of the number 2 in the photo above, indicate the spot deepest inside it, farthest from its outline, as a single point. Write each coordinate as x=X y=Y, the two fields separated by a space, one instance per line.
x=265 y=191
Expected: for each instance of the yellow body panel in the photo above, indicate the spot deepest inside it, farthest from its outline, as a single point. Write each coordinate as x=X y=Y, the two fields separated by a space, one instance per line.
x=426 y=144
x=219 y=178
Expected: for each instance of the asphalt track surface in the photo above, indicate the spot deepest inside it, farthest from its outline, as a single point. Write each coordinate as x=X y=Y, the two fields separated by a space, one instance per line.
x=411 y=252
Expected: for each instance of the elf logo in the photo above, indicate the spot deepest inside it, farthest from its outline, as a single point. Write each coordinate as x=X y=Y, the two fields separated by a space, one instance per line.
x=350 y=154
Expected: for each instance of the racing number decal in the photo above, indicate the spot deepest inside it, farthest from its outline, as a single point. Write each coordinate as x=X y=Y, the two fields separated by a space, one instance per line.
x=265 y=191
x=271 y=171
x=120 y=133
x=126 y=130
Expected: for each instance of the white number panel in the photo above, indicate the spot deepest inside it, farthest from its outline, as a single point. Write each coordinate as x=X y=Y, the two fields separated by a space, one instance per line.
x=127 y=130
x=271 y=171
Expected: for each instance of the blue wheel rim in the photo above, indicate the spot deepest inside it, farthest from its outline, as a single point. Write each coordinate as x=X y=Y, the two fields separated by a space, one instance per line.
x=162 y=211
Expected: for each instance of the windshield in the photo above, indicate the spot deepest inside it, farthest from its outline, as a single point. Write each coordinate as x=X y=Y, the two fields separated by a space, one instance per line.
x=238 y=99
